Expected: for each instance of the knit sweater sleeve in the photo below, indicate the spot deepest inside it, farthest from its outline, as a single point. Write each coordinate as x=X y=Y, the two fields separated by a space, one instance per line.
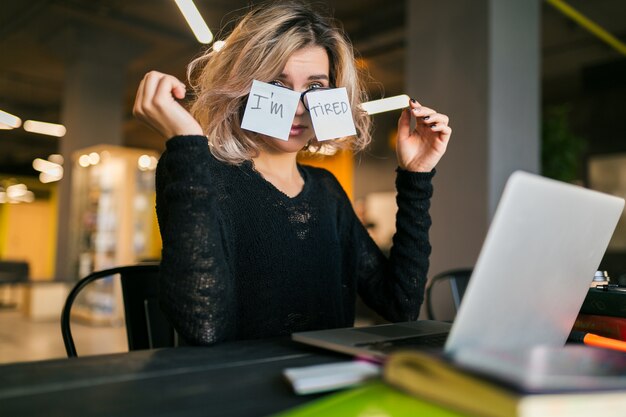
x=394 y=286
x=196 y=288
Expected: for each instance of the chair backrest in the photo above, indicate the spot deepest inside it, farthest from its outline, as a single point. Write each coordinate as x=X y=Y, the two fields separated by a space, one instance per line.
x=457 y=279
x=146 y=325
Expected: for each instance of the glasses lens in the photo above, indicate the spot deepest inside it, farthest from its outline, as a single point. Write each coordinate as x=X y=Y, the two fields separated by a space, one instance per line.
x=305 y=99
x=305 y=96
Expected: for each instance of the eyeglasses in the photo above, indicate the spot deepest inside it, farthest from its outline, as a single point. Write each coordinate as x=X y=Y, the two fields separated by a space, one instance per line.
x=303 y=95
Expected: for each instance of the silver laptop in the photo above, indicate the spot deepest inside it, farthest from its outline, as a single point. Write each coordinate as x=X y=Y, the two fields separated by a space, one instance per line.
x=544 y=244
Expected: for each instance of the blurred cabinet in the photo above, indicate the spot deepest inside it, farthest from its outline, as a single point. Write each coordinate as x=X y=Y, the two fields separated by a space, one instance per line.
x=607 y=173
x=114 y=221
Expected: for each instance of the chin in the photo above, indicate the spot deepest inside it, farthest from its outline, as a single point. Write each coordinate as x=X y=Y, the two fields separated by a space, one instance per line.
x=294 y=144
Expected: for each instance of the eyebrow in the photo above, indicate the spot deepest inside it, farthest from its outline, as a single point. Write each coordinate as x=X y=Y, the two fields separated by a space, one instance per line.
x=311 y=77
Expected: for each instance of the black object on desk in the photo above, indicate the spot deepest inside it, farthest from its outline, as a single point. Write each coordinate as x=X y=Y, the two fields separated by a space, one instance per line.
x=606 y=301
x=229 y=379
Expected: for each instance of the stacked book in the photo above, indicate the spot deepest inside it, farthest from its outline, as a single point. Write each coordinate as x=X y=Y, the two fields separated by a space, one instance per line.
x=574 y=381
x=542 y=382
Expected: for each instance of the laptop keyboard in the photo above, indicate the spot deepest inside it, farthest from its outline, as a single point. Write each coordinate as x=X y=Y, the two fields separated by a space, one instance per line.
x=427 y=341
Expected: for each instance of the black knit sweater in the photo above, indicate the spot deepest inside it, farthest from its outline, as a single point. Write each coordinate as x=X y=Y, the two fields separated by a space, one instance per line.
x=242 y=260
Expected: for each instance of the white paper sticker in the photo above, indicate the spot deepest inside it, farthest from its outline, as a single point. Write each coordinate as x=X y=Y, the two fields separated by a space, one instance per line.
x=331 y=113
x=386 y=104
x=270 y=110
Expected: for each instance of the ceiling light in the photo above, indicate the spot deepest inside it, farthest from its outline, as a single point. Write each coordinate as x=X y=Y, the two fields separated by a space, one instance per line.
x=386 y=104
x=143 y=162
x=94 y=158
x=83 y=161
x=49 y=170
x=10 y=120
x=147 y=163
x=42 y=165
x=15 y=194
x=195 y=21
x=46 y=178
x=56 y=158
x=16 y=191
x=44 y=128
x=29 y=197
x=48 y=167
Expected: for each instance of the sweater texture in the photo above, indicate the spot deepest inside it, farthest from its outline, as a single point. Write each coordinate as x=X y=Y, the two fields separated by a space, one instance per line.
x=242 y=260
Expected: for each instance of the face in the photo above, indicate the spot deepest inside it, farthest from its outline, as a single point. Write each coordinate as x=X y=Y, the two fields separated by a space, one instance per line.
x=306 y=68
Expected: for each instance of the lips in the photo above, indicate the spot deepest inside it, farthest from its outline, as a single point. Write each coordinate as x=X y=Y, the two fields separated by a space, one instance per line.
x=297 y=130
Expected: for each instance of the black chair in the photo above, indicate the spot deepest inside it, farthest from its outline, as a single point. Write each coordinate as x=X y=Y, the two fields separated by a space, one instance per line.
x=146 y=325
x=457 y=279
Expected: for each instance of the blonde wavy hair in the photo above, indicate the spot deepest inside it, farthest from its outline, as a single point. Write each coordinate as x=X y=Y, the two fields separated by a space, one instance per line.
x=258 y=49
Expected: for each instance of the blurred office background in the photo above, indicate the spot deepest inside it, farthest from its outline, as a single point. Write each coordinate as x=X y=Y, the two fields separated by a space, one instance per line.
x=528 y=84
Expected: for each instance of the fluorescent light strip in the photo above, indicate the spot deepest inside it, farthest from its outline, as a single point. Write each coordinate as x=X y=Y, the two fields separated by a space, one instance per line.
x=44 y=128
x=195 y=21
x=589 y=25
x=10 y=120
x=386 y=104
x=42 y=165
x=46 y=178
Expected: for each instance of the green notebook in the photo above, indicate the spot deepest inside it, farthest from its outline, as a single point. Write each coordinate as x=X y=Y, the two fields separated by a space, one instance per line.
x=372 y=399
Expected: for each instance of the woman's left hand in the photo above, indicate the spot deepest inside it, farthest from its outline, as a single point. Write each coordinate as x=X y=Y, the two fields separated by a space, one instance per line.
x=421 y=149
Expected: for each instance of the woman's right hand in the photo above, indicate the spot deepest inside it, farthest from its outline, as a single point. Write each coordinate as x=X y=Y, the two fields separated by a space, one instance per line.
x=156 y=105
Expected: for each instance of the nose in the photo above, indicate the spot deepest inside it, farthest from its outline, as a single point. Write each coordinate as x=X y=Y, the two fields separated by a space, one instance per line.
x=300 y=110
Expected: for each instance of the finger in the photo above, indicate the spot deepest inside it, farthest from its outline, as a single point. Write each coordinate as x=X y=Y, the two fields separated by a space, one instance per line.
x=179 y=91
x=404 y=123
x=165 y=91
x=150 y=84
x=137 y=109
x=414 y=104
x=419 y=112
x=437 y=118
x=445 y=130
x=169 y=86
x=144 y=91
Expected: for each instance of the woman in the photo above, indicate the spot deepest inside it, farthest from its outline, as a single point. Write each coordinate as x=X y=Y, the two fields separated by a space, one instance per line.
x=255 y=244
